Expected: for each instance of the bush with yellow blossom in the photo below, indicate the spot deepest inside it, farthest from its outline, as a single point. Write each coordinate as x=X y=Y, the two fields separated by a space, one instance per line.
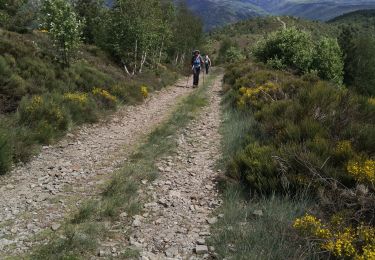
x=338 y=239
x=256 y=96
x=81 y=106
x=362 y=170
x=105 y=98
x=144 y=91
x=45 y=115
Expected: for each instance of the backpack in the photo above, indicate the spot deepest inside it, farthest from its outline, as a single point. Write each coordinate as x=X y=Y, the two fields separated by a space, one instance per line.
x=197 y=62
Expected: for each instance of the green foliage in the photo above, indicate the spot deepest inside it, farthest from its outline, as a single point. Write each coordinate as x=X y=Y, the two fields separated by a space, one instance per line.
x=45 y=115
x=92 y=12
x=187 y=32
x=18 y=15
x=359 y=53
x=28 y=71
x=296 y=49
x=328 y=60
x=82 y=107
x=301 y=121
x=306 y=136
x=256 y=165
x=234 y=54
x=132 y=31
x=63 y=26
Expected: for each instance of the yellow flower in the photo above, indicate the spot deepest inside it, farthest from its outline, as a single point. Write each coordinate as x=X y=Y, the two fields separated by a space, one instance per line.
x=341 y=244
x=343 y=147
x=35 y=104
x=362 y=170
x=80 y=98
x=104 y=94
x=144 y=91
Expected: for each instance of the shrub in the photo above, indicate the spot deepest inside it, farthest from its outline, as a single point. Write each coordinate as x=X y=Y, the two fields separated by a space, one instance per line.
x=105 y=99
x=45 y=115
x=233 y=54
x=130 y=94
x=256 y=166
x=340 y=241
x=86 y=77
x=328 y=60
x=294 y=47
x=82 y=107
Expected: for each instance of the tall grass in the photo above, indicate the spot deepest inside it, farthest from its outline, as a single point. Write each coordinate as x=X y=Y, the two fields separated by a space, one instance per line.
x=241 y=234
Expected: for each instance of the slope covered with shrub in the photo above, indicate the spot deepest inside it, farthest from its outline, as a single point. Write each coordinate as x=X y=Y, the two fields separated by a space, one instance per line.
x=310 y=137
x=40 y=100
x=50 y=80
x=298 y=132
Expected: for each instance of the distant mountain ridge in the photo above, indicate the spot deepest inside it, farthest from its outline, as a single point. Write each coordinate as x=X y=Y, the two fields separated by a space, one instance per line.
x=216 y=13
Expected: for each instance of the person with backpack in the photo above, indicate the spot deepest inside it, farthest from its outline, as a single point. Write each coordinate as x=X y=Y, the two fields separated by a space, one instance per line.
x=207 y=63
x=196 y=63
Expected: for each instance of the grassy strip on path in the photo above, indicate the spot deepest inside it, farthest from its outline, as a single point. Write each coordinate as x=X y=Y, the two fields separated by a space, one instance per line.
x=78 y=237
x=253 y=227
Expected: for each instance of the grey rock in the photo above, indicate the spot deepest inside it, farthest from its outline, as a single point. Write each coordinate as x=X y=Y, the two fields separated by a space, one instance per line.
x=171 y=252
x=55 y=226
x=201 y=249
x=201 y=241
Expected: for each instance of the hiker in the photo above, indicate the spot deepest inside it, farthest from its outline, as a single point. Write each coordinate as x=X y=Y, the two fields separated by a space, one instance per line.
x=207 y=63
x=196 y=63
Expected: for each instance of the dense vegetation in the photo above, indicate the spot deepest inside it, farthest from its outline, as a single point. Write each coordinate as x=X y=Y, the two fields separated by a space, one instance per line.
x=299 y=132
x=64 y=63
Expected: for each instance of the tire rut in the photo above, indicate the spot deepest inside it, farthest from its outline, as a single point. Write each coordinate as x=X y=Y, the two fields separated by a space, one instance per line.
x=39 y=194
x=176 y=221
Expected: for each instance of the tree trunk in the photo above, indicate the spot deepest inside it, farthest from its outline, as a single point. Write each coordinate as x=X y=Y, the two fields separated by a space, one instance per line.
x=126 y=68
x=135 y=56
x=143 y=60
x=176 y=59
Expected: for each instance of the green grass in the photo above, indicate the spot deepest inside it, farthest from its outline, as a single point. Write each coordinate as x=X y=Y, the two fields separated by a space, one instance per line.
x=240 y=234
x=79 y=236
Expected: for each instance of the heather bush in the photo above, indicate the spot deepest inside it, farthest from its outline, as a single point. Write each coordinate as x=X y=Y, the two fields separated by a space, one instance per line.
x=82 y=107
x=45 y=115
x=311 y=137
x=105 y=99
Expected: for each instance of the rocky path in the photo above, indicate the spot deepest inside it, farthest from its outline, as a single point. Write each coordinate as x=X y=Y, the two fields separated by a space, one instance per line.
x=36 y=196
x=176 y=219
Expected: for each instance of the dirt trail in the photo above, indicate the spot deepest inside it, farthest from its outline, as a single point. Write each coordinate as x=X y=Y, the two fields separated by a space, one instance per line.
x=176 y=220
x=36 y=196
